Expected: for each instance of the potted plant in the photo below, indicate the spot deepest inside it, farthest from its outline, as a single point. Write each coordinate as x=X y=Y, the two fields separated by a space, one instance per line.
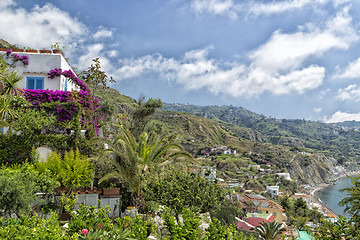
x=17 y=50
x=57 y=51
x=111 y=191
x=31 y=50
x=45 y=51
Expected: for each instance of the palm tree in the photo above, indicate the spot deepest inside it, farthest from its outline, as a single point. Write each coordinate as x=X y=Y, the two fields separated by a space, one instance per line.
x=6 y=109
x=269 y=230
x=132 y=159
x=9 y=83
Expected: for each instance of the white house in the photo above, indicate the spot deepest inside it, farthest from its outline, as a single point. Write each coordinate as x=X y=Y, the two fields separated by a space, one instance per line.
x=273 y=190
x=285 y=175
x=35 y=73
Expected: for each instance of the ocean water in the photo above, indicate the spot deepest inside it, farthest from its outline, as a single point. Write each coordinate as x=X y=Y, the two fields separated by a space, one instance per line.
x=331 y=196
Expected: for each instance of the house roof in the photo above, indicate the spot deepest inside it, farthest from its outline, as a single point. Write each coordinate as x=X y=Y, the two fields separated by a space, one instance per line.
x=271 y=218
x=255 y=197
x=255 y=221
x=244 y=225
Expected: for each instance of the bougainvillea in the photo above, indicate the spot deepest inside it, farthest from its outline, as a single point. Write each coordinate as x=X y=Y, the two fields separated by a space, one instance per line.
x=23 y=58
x=65 y=107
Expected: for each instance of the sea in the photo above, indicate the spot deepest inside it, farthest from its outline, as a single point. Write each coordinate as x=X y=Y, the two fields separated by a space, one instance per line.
x=331 y=196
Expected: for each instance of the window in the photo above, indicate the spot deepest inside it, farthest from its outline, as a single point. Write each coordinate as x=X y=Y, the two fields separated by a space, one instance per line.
x=35 y=83
x=65 y=88
x=274 y=213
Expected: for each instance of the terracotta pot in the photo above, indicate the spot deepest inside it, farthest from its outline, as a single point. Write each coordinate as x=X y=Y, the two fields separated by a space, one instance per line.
x=31 y=50
x=4 y=49
x=45 y=51
x=56 y=51
x=111 y=192
x=17 y=50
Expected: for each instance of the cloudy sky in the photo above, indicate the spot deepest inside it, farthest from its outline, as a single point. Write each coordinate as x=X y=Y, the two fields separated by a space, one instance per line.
x=284 y=59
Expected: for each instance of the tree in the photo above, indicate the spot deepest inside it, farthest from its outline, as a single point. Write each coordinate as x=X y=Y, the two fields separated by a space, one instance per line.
x=179 y=188
x=9 y=83
x=269 y=230
x=142 y=113
x=18 y=188
x=95 y=77
x=352 y=202
x=132 y=159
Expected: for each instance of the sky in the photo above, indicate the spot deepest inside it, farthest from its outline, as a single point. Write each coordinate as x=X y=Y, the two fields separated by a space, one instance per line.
x=293 y=59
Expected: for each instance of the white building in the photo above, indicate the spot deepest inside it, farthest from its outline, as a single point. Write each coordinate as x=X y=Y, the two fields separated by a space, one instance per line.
x=285 y=175
x=35 y=73
x=273 y=190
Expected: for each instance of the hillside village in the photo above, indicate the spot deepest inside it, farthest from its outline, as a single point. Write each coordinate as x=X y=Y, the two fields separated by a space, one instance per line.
x=92 y=173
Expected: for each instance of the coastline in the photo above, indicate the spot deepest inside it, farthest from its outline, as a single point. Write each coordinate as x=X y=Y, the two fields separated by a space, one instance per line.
x=314 y=200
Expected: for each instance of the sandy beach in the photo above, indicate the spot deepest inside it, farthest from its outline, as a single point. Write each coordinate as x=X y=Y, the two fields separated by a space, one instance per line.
x=313 y=196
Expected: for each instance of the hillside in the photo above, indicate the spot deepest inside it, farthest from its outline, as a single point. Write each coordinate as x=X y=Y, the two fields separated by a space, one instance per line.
x=332 y=140
x=199 y=133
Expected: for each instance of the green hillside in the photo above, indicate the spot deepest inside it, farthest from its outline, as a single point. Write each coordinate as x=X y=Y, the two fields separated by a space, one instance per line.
x=332 y=140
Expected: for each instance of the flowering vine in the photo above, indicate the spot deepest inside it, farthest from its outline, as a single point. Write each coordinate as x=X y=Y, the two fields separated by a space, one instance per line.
x=15 y=57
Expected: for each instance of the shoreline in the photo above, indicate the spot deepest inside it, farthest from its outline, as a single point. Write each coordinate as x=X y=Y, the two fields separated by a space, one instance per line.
x=315 y=201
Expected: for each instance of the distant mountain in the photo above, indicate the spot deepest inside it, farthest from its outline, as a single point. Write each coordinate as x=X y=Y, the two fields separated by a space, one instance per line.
x=334 y=140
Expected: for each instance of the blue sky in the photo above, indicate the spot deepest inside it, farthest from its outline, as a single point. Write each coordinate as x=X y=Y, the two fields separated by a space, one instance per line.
x=285 y=59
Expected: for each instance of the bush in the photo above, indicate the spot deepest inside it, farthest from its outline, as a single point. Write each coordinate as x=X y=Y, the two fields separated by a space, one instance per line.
x=92 y=218
x=32 y=228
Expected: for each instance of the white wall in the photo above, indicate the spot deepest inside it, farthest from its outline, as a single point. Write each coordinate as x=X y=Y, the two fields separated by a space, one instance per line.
x=39 y=65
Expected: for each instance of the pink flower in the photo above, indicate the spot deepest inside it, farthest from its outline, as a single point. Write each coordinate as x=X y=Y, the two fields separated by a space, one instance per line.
x=84 y=231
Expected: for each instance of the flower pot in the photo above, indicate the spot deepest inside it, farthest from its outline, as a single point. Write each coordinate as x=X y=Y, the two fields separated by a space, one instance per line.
x=31 y=50
x=56 y=51
x=108 y=192
x=45 y=51
x=17 y=50
x=4 y=49
x=131 y=212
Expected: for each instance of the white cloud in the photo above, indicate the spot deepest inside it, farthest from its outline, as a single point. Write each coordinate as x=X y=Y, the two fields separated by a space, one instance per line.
x=276 y=67
x=39 y=27
x=103 y=33
x=318 y=110
x=288 y=51
x=216 y=7
x=352 y=70
x=341 y=117
x=255 y=8
x=350 y=93
x=276 y=7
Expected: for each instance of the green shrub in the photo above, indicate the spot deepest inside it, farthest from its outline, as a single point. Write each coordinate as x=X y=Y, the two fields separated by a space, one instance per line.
x=32 y=228
x=91 y=218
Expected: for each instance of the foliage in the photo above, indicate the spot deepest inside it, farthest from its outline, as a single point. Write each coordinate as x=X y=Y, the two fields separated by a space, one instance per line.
x=33 y=122
x=140 y=227
x=19 y=186
x=339 y=230
x=92 y=218
x=72 y=170
x=179 y=189
x=187 y=229
x=352 y=202
x=33 y=227
x=140 y=116
x=95 y=77
x=297 y=210
x=14 y=149
x=216 y=231
x=226 y=213
x=132 y=159
x=269 y=230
